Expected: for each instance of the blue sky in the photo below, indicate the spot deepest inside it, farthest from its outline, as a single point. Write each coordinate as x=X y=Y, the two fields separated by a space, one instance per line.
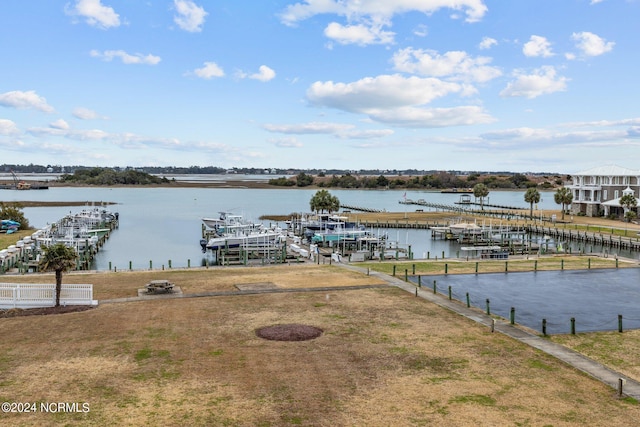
x=518 y=85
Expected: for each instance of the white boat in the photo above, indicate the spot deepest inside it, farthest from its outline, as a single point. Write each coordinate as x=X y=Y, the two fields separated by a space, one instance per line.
x=232 y=231
x=256 y=239
x=465 y=228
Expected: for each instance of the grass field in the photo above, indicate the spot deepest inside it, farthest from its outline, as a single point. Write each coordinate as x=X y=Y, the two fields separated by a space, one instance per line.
x=385 y=358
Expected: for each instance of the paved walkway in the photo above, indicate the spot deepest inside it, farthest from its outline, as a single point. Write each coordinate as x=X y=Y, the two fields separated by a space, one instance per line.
x=594 y=369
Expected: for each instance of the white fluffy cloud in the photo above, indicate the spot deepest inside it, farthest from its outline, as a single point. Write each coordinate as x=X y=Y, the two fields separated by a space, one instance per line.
x=542 y=81
x=59 y=124
x=25 y=100
x=126 y=58
x=381 y=92
x=7 y=127
x=86 y=114
x=189 y=16
x=208 y=71
x=358 y=34
x=455 y=64
x=376 y=9
x=591 y=44
x=264 y=74
x=432 y=117
x=537 y=46
x=394 y=99
x=95 y=13
x=487 y=43
x=367 y=18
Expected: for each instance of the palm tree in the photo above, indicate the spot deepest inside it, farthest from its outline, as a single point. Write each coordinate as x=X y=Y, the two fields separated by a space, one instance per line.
x=563 y=197
x=323 y=200
x=532 y=196
x=58 y=258
x=628 y=202
x=480 y=190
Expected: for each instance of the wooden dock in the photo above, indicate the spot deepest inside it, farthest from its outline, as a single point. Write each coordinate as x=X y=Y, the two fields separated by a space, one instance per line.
x=360 y=208
x=590 y=237
x=440 y=230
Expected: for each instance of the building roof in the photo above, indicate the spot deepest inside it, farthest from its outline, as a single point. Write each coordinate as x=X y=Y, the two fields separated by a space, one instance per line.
x=608 y=170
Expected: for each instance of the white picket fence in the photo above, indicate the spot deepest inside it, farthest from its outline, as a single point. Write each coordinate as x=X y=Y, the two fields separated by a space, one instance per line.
x=34 y=295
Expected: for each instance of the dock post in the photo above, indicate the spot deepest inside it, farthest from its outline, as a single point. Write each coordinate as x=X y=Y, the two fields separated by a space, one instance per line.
x=621 y=382
x=468 y=300
x=189 y=263
x=449 y=292
x=535 y=265
x=435 y=288
x=573 y=326
x=488 y=307
x=512 y=315
x=130 y=265
x=589 y=263
x=544 y=327
x=419 y=281
x=476 y=266
x=169 y=263
x=109 y=265
x=561 y=264
x=150 y=264
x=413 y=269
x=394 y=271
x=620 y=323
x=406 y=274
x=446 y=268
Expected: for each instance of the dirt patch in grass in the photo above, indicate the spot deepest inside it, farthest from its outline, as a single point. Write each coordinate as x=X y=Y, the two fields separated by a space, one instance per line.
x=290 y=332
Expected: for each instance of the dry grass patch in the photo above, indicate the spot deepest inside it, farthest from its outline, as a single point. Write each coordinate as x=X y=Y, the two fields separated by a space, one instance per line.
x=385 y=358
x=124 y=284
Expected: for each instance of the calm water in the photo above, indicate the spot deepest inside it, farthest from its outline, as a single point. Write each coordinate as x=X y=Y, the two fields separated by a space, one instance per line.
x=162 y=224
x=594 y=298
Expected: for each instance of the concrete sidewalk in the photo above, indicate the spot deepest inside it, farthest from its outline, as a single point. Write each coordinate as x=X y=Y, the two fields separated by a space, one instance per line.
x=596 y=370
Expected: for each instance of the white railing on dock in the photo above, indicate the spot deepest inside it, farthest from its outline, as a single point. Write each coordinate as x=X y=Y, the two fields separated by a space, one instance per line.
x=34 y=295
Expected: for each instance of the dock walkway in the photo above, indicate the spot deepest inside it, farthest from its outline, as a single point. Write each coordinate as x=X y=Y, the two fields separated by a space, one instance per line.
x=589 y=237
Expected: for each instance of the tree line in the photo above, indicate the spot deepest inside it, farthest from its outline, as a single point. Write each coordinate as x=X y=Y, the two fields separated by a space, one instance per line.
x=439 y=180
x=107 y=176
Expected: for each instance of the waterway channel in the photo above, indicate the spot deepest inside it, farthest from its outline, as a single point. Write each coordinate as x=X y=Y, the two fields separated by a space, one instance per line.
x=158 y=225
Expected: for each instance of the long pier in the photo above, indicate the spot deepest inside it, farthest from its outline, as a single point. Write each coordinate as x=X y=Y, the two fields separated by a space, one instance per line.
x=360 y=208
x=559 y=233
x=457 y=207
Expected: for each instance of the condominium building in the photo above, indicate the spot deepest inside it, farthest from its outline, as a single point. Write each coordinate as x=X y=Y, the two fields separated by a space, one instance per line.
x=597 y=191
